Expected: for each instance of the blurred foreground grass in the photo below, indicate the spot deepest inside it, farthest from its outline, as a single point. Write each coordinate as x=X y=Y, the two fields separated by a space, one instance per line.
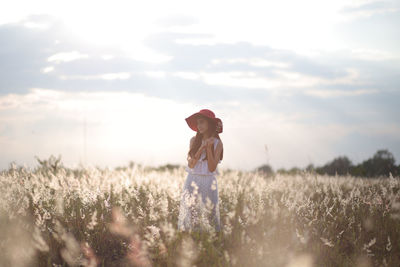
x=128 y=217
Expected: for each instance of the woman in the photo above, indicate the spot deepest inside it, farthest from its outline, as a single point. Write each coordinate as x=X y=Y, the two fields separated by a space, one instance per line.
x=199 y=206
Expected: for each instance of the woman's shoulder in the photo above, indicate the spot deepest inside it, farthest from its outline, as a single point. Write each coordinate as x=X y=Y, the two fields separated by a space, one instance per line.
x=217 y=141
x=218 y=144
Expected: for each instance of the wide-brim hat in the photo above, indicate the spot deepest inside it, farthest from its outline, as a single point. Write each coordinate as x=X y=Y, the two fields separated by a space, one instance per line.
x=191 y=120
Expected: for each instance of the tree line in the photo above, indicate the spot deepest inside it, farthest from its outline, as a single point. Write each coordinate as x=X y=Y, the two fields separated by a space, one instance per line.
x=382 y=163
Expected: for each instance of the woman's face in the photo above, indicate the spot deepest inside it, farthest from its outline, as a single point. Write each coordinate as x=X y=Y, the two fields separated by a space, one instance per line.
x=202 y=124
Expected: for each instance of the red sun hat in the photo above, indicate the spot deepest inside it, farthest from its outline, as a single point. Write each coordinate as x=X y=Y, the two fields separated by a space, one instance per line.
x=191 y=120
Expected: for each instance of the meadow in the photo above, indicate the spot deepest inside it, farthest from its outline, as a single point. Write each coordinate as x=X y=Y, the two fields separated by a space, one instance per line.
x=56 y=216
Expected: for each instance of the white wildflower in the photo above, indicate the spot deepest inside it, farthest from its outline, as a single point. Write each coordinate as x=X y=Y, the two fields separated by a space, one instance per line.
x=389 y=244
x=93 y=221
x=366 y=247
x=327 y=242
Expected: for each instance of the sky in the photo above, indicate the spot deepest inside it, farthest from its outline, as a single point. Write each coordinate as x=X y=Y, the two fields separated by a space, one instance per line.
x=108 y=82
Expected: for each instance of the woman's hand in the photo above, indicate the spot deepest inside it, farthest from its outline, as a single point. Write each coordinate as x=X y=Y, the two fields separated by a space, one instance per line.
x=209 y=141
x=200 y=150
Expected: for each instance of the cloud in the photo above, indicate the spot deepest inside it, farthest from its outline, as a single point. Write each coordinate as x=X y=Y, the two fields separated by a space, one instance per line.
x=66 y=57
x=258 y=62
x=105 y=76
x=177 y=20
x=233 y=67
x=374 y=55
x=226 y=72
x=47 y=69
x=365 y=9
x=336 y=93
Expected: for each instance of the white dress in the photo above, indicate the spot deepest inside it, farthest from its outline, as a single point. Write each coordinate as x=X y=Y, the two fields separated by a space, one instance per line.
x=199 y=206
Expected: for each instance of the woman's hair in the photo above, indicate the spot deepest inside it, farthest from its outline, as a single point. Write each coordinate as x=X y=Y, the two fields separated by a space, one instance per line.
x=199 y=137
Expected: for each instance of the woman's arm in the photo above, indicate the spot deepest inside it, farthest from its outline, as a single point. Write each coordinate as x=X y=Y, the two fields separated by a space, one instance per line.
x=213 y=160
x=193 y=160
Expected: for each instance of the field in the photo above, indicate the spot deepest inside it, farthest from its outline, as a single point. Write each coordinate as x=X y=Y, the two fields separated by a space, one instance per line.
x=128 y=217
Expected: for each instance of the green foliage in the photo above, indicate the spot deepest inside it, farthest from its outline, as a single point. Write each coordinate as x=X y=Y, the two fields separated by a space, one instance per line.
x=381 y=164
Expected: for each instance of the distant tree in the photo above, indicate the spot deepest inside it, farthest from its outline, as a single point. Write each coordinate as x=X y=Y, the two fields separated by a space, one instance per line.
x=340 y=166
x=132 y=164
x=358 y=170
x=291 y=171
x=381 y=163
x=267 y=169
x=168 y=167
x=282 y=171
x=294 y=170
x=310 y=168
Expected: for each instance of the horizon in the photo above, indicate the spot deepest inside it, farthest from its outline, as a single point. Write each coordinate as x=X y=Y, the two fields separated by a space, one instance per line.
x=130 y=162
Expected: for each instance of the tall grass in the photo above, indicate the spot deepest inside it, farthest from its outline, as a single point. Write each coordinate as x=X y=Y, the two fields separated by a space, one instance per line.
x=128 y=217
